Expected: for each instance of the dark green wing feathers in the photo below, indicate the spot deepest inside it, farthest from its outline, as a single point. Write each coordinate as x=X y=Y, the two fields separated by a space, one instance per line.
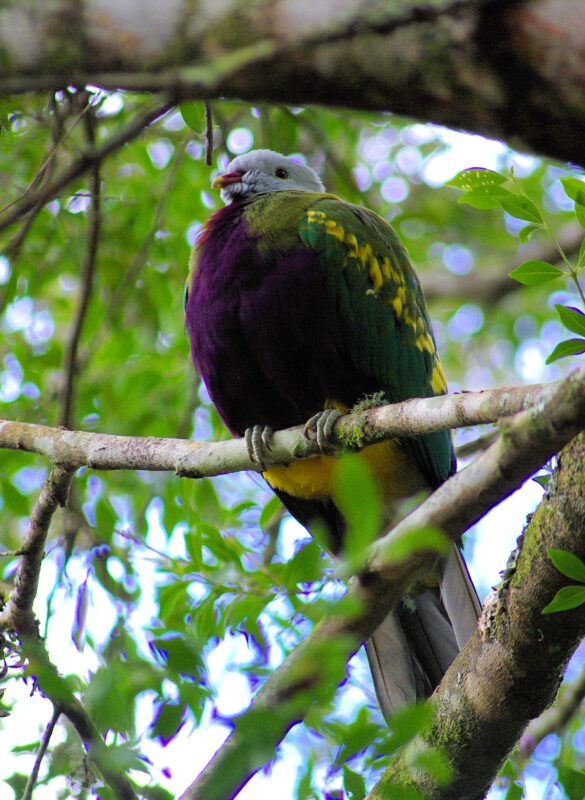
x=386 y=329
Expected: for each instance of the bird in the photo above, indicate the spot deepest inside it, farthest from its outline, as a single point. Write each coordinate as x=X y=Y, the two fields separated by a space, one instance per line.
x=300 y=306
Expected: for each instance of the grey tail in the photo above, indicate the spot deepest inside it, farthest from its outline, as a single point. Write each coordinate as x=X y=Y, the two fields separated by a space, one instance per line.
x=413 y=647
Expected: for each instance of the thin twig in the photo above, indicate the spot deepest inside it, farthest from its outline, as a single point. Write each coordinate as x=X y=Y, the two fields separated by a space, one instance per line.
x=46 y=163
x=43 y=176
x=140 y=259
x=52 y=684
x=208 y=133
x=555 y=719
x=70 y=365
x=476 y=445
x=86 y=161
x=32 y=779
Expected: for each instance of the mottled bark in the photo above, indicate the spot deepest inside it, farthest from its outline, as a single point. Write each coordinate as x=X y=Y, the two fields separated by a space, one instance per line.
x=511 y=669
x=508 y=69
x=528 y=441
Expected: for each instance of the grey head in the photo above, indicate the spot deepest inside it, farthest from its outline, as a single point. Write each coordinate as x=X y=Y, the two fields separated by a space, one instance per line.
x=265 y=171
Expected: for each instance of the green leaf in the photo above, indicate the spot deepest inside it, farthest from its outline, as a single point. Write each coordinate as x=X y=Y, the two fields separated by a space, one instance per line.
x=572 y=318
x=542 y=480
x=475 y=178
x=533 y=273
x=572 y=781
x=406 y=724
x=179 y=653
x=515 y=791
x=305 y=566
x=194 y=547
x=570 y=347
x=168 y=722
x=526 y=232
x=566 y=598
x=414 y=541
x=193 y=115
x=356 y=495
x=521 y=208
x=17 y=783
x=271 y=508
x=568 y=563
x=580 y=214
x=485 y=197
x=575 y=189
x=354 y=784
x=125 y=756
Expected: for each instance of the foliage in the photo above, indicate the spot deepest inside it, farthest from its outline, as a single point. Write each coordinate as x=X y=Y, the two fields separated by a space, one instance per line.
x=180 y=596
x=485 y=189
x=569 y=596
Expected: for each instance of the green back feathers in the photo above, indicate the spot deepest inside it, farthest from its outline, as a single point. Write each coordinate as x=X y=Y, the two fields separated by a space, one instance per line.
x=368 y=274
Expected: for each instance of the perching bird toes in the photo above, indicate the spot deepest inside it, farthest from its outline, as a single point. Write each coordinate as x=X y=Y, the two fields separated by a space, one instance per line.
x=320 y=426
x=258 y=444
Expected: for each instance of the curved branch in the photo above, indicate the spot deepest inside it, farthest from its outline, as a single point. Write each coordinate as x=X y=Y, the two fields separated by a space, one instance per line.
x=511 y=668
x=197 y=459
x=18 y=615
x=429 y=60
x=528 y=441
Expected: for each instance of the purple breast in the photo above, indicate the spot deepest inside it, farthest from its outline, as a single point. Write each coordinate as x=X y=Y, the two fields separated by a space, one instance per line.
x=265 y=335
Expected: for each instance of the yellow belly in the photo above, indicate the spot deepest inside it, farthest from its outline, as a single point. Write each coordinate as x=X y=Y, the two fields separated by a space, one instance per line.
x=394 y=471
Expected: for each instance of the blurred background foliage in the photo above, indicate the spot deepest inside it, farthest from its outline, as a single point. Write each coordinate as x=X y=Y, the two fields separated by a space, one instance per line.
x=171 y=600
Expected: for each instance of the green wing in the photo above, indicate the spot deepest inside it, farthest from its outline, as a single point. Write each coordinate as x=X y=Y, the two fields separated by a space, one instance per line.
x=388 y=334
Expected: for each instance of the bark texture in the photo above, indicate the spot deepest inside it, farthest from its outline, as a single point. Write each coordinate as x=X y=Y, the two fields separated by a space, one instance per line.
x=511 y=669
x=509 y=69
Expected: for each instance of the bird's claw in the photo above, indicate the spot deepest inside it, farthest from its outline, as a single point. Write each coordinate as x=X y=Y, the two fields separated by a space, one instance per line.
x=258 y=444
x=320 y=426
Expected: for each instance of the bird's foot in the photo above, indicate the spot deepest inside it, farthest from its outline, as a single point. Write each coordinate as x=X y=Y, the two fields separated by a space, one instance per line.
x=258 y=444
x=320 y=426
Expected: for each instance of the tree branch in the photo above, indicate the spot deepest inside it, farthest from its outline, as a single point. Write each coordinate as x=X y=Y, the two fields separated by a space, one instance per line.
x=18 y=615
x=58 y=690
x=554 y=719
x=429 y=60
x=511 y=668
x=70 y=365
x=197 y=459
x=85 y=162
x=32 y=778
x=528 y=441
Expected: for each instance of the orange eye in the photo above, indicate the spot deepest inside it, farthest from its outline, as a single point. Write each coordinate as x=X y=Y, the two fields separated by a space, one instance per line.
x=281 y=173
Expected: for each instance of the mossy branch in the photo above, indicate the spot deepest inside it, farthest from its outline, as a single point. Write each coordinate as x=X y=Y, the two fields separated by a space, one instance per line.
x=197 y=459
x=531 y=438
x=510 y=670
